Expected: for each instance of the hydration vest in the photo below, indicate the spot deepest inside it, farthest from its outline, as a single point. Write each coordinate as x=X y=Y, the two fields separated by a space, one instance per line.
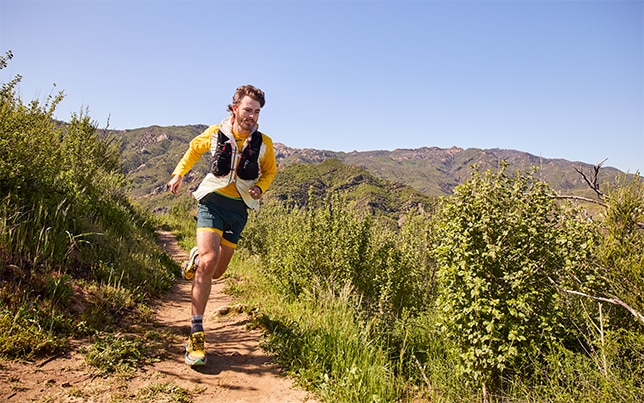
x=225 y=154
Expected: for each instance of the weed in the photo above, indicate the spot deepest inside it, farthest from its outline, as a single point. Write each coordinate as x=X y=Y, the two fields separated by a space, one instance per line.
x=165 y=392
x=112 y=354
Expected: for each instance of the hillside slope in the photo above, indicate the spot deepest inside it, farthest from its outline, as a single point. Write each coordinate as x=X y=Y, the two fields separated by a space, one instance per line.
x=437 y=171
x=297 y=182
x=151 y=153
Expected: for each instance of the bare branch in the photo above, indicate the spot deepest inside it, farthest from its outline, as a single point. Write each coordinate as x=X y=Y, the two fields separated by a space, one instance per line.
x=614 y=300
x=594 y=183
x=422 y=372
x=581 y=198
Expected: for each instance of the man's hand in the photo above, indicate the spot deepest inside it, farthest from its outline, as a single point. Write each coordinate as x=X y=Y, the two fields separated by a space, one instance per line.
x=175 y=183
x=255 y=192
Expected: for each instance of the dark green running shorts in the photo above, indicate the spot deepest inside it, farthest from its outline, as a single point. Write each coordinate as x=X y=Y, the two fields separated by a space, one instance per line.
x=223 y=215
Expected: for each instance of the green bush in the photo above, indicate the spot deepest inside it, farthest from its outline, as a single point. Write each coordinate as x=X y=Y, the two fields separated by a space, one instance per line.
x=332 y=244
x=501 y=246
x=69 y=234
x=496 y=288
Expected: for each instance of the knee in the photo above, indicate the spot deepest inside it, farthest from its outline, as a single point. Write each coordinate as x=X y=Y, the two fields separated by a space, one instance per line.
x=207 y=262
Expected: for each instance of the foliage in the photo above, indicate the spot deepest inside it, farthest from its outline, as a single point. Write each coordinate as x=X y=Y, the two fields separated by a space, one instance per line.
x=30 y=325
x=118 y=354
x=317 y=338
x=76 y=254
x=621 y=250
x=180 y=219
x=562 y=375
x=113 y=354
x=473 y=293
x=297 y=184
x=501 y=244
x=162 y=392
x=332 y=244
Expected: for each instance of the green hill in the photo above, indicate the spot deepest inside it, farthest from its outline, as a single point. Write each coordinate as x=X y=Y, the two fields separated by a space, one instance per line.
x=297 y=182
x=150 y=154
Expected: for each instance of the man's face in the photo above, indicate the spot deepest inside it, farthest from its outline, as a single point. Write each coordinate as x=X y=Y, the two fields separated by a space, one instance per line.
x=247 y=113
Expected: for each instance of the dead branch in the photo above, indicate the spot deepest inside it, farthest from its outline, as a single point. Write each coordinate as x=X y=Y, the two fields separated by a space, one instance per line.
x=614 y=300
x=422 y=372
x=581 y=198
x=594 y=183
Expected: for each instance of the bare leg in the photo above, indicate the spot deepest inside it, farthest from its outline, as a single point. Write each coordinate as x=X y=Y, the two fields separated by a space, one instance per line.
x=225 y=254
x=209 y=247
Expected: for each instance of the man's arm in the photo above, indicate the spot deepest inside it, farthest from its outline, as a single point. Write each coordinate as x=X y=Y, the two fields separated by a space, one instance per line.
x=198 y=146
x=268 y=166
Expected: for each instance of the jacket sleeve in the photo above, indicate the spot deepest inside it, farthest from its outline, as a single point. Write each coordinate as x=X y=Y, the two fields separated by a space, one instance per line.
x=268 y=165
x=198 y=146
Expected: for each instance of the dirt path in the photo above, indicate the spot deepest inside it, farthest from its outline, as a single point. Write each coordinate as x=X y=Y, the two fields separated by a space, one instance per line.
x=237 y=369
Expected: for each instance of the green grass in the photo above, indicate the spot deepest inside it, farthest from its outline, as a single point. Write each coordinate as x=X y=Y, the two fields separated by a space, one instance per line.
x=165 y=392
x=112 y=354
x=318 y=339
x=122 y=354
x=322 y=340
x=77 y=256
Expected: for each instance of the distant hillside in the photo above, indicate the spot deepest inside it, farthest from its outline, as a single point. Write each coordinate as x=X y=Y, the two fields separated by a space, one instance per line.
x=437 y=171
x=150 y=155
x=297 y=182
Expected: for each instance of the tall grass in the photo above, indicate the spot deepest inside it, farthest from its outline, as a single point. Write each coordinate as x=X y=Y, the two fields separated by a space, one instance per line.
x=350 y=307
x=318 y=339
x=77 y=257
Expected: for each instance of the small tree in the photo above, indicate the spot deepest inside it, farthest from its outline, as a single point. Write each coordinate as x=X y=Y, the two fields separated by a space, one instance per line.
x=500 y=244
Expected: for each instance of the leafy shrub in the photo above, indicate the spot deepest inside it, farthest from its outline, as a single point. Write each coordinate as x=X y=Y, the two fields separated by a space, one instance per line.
x=501 y=245
x=479 y=292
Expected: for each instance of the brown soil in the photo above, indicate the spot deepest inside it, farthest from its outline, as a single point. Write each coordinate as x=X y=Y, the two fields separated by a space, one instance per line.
x=237 y=369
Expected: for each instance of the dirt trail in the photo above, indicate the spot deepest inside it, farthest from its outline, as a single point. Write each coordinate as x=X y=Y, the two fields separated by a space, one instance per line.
x=237 y=369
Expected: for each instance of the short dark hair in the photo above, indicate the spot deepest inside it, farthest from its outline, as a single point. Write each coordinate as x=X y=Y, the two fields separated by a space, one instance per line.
x=247 y=90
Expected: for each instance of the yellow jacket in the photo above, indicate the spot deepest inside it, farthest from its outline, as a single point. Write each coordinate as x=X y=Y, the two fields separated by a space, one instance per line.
x=229 y=185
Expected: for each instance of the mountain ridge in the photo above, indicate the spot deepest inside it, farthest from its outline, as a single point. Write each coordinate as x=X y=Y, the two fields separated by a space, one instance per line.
x=151 y=153
x=437 y=171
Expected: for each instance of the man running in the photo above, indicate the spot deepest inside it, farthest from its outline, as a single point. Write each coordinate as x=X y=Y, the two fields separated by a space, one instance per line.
x=242 y=168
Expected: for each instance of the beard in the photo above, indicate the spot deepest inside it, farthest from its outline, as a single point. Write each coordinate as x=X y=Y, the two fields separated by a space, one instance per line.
x=247 y=124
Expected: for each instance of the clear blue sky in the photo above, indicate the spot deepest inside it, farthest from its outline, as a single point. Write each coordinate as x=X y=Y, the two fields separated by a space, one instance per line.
x=559 y=79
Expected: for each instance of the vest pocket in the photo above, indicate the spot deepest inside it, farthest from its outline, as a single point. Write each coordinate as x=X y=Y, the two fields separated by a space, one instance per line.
x=221 y=160
x=248 y=169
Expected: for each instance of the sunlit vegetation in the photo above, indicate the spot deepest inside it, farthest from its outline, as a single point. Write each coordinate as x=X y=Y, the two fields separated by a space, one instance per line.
x=77 y=256
x=504 y=292
x=366 y=291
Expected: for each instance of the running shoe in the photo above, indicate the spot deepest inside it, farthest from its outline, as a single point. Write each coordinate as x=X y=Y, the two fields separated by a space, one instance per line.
x=195 y=350
x=190 y=268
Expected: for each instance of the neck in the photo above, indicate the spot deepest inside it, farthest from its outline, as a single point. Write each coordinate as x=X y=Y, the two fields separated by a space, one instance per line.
x=241 y=131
